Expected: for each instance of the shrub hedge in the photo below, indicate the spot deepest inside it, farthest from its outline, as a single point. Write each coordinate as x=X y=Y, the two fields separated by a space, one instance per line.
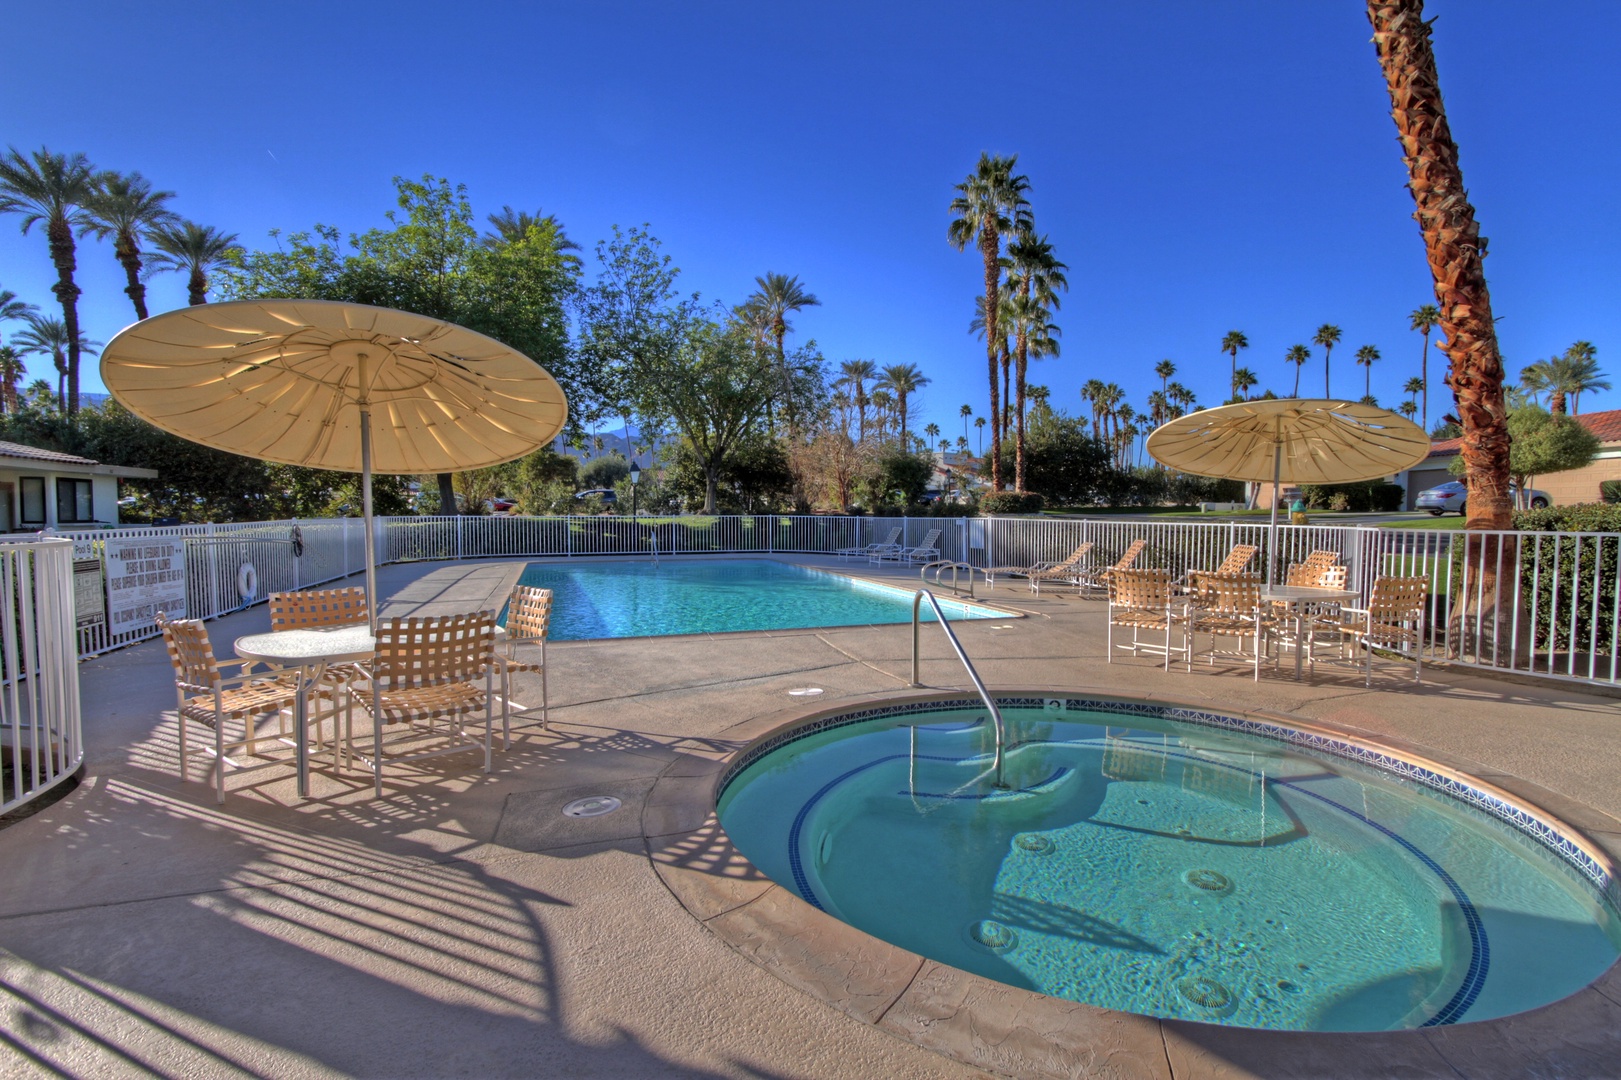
x=1010 y=502
x=1610 y=491
x=1375 y=496
x=1590 y=562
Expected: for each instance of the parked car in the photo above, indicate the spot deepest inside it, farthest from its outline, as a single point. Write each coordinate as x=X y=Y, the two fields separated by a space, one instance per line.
x=1454 y=495
x=605 y=494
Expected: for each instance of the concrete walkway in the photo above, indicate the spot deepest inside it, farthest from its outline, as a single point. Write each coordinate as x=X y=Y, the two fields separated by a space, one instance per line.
x=461 y=926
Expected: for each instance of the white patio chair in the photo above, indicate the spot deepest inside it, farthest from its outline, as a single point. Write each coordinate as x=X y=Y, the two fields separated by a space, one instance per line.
x=866 y=551
x=927 y=551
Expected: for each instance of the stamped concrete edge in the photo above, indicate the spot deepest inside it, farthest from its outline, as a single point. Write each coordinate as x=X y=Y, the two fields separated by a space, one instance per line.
x=1015 y=1032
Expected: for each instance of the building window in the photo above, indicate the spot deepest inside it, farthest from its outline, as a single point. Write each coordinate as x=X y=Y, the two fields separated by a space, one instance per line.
x=73 y=504
x=33 y=501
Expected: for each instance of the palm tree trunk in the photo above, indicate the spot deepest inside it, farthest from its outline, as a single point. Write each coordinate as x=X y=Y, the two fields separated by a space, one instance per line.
x=197 y=287
x=1556 y=401
x=1424 y=377
x=1297 y=382
x=1007 y=388
x=1327 y=349
x=67 y=292
x=1455 y=250
x=988 y=246
x=129 y=256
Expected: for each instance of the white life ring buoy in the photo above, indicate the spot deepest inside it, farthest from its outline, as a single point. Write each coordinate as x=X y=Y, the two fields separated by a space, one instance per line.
x=247 y=581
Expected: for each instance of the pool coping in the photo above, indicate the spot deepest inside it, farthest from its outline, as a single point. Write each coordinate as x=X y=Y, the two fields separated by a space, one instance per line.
x=1017 y=1032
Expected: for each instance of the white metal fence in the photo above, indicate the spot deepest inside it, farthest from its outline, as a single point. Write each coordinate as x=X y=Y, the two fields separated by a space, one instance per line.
x=1546 y=604
x=40 y=742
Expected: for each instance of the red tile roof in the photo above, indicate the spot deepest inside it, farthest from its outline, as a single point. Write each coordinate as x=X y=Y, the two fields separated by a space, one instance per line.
x=1606 y=425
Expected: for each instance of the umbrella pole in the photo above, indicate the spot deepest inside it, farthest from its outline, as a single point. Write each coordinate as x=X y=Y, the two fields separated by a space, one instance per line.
x=365 y=509
x=1272 y=538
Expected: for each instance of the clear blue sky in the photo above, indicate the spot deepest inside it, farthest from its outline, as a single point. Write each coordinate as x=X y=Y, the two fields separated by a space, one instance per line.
x=1201 y=167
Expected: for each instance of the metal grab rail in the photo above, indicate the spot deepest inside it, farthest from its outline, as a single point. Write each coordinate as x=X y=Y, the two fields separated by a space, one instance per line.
x=940 y=566
x=979 y=685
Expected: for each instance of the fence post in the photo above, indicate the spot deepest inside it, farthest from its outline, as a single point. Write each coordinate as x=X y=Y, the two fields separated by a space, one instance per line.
x=458 y=537
x=568 y=535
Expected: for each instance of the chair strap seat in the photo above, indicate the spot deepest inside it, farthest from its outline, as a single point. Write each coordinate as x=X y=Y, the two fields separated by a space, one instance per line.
x=423 y=702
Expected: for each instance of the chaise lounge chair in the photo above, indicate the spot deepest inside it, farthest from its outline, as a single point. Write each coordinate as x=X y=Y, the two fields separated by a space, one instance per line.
x=927 y=551
x=869 y=550
x=1099 y=579
x=1063 y=568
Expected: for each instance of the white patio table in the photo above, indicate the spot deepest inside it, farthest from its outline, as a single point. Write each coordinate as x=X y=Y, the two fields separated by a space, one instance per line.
x=309 y=652
x=1295 y=597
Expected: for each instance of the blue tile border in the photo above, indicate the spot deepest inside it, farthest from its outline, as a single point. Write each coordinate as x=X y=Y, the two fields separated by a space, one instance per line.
x=1544 y=833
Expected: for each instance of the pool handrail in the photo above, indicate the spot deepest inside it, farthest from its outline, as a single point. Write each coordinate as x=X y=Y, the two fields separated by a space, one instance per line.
x=940 y=566
x=979 y=685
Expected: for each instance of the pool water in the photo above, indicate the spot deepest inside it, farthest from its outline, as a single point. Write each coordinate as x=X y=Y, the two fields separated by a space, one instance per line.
x=1171 y=869
x=642 y=599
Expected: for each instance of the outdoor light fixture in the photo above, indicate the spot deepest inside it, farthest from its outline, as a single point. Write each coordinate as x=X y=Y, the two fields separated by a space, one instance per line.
x=635 y=478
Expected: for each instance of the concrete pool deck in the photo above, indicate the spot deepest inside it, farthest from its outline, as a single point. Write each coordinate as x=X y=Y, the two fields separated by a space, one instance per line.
x=461 y=925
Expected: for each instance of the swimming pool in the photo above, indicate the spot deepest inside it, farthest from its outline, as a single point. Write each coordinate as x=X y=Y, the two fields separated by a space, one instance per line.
x=641 y=599
x=1177 y=863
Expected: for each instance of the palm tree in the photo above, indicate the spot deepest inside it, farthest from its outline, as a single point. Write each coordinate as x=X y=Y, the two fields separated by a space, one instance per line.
x=979 y=426
x=932 y=430
x=966 y=411
x=1243 y=381
x=1035 y=277
x=1413 y=387
x=1181 y=398
x=1424 y=319
x=53 y=188
x=1408 y=408
x=856 y=374
x=39 y=392
x=1230 y=345
x=48 y=336
x=510 y=226
x=962 y=444
x=1164 y=369
x=1581 y=373
x=1327 y=336
x=1039 y=394
x=1004 y=348
x=778 y=296
x=126 y=209
x=186 y=247
x=989 y=205
x=883 y=407
x=1297 y=355
x=1455 y=251
x=1366 y=356
x=902 y=380
x=12 y=372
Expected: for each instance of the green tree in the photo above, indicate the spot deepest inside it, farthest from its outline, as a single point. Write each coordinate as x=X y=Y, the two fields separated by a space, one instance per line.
x=776 y=296
x=1165 y=369
x=185 y=247
x=856 y=375
x=1367 y=356
x=53 y=188
x=47 y=335
x=990 y=204
x=1035 y=276
x=1244 y=381
x=1297 y=355
x=1424 y=319
x=12 y=373
x=1543 y=442
x=125 y=209
x=1328 y=335
x=966 y=412
x=1230 y=345
x=513 y=226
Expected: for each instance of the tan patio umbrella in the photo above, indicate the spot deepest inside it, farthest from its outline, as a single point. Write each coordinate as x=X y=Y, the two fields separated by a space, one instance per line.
x=1293 y=440
x=335 y=386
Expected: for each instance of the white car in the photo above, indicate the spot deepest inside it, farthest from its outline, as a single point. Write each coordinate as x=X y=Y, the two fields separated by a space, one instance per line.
x=1453 y=495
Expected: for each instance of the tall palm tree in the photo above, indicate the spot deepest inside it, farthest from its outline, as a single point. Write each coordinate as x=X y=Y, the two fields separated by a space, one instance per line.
x=1036 y=276
x=53 y=188
x=776 y=297
x=1424 y=319
x=1004 y=348
x=1181 y=398
x=1039 y=394
x=857 y=373
x=1297 y=355
x=1413 y=387
x=990 y=204
x=1244 y=380
x=1230 y=345
x=1367 y=355
x=1455 y=252
x=1164 y=369
x=185 y=247
x=1581 y=373
x=126 y=209
x=932 y=430
x=1328 y=335
x=512 y=225
x=12 y=372
x=1536 y=380
x=902 y=380
x=979 y=426
x=1408 y=408
x=965 y=412
x=883 y=410
x=48 y=336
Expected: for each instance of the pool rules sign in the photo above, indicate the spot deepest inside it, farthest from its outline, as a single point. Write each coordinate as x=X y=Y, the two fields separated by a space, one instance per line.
x=145 y=576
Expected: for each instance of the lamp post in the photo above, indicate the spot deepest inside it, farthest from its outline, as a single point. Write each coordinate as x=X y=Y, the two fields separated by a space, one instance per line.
x=635 y=478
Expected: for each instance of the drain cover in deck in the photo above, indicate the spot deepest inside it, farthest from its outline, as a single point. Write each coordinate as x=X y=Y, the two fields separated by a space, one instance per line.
x=592 y=806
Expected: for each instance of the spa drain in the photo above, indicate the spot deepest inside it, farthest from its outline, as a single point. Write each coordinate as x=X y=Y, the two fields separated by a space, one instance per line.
x=1209 y=881
x=992 y=935
x=1034 y=843
x=591 y=806
x=1207 y=993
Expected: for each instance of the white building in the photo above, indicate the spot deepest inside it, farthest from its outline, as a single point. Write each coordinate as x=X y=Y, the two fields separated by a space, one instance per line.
x=40 y=488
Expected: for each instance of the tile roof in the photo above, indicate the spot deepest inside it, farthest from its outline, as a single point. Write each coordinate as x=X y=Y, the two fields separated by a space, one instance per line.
x=1606 y=425
x=34 y=453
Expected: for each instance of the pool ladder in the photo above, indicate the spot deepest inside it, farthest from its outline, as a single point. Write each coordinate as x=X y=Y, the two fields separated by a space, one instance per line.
x=979 y=685
x=939 y=568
